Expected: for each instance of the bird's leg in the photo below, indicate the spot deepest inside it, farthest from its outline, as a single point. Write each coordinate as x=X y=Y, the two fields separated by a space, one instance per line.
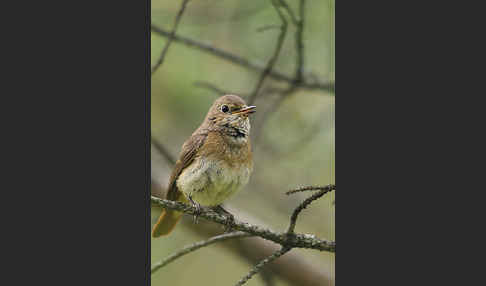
x=198 y=209
x=230 y=218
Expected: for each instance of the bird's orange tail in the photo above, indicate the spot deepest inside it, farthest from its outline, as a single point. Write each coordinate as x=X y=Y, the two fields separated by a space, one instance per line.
x=166 y=223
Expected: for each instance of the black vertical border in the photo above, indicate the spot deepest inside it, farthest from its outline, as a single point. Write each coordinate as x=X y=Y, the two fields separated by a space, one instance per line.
x=148 y=21
x=411 y=143
x=78 y=81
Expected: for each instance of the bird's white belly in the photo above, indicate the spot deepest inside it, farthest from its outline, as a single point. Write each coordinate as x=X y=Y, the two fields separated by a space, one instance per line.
x=211 y=182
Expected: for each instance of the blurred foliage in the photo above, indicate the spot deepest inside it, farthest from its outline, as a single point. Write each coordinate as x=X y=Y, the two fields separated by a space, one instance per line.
x=295 y=148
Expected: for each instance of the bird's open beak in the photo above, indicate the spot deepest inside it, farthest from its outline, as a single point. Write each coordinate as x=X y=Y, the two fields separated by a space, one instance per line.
x=246 y=110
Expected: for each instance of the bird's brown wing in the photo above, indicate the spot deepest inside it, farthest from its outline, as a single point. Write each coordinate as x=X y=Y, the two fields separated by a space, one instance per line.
x=188 y=153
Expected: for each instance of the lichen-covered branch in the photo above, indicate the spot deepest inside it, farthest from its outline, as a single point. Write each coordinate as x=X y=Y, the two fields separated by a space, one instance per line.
x=295 y=240
x=287 y=240
x=294 y=268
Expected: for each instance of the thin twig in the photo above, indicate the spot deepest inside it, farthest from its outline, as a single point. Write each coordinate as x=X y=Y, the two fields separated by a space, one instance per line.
x=262 y=263
x=267 y=27
x=326 y=86
x=306 y=202
x=241 y=247
x=190 y=248
x=300 y=42
x=171 y=36
x=297 y=240
x=300 y=60
x=289 y=11
x=273 y=59
x=161 y=148
x=312 y=188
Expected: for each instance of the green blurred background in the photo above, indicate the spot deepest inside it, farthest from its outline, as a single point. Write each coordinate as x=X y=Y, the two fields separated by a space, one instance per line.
x=292 y=136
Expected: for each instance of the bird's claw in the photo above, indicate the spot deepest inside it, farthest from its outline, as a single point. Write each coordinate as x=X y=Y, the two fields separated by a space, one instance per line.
x=230 y=218
x=197 y=212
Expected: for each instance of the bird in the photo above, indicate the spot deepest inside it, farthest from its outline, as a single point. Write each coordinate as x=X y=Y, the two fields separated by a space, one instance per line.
x=214 y=163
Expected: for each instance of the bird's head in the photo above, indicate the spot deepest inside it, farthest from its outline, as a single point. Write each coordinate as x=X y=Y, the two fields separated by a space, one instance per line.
x=229 y=115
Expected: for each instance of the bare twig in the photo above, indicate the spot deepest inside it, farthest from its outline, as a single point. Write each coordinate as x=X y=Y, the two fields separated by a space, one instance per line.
x=289 y=11
x=273 y=59
x=162 y=150
x=300 y=60
x=241 y=247
x=195 y=246
x=268 y=27
x=300 y=42
x=171 y=36
x=326 y=86
x=297 y=240
x=262 y=263
x=312 y=188
x=306 y=202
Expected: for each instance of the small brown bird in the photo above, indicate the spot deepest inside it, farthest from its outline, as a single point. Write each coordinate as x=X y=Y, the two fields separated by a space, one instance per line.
x=214 y=163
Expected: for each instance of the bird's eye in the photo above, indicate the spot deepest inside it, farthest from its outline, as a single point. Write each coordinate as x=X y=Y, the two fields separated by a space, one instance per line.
x=224 y=108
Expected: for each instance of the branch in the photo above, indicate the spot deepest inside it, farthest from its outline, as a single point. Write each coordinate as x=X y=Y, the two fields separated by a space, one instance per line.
x=300 y=42
x=306 y=202
x=196 y=246
x=326 y=86
x=273 y=59
x=262 y=263
x=300 y=58
x=268 y=27
x=289 y=239
x=290 y=231
x=294 y=241
x=312 y=188
x=289 y=11
x=267 y=276
x=171 y=36
x=293 y=268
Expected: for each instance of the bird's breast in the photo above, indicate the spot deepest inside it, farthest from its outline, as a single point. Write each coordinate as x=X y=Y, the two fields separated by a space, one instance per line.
x=210 y=181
